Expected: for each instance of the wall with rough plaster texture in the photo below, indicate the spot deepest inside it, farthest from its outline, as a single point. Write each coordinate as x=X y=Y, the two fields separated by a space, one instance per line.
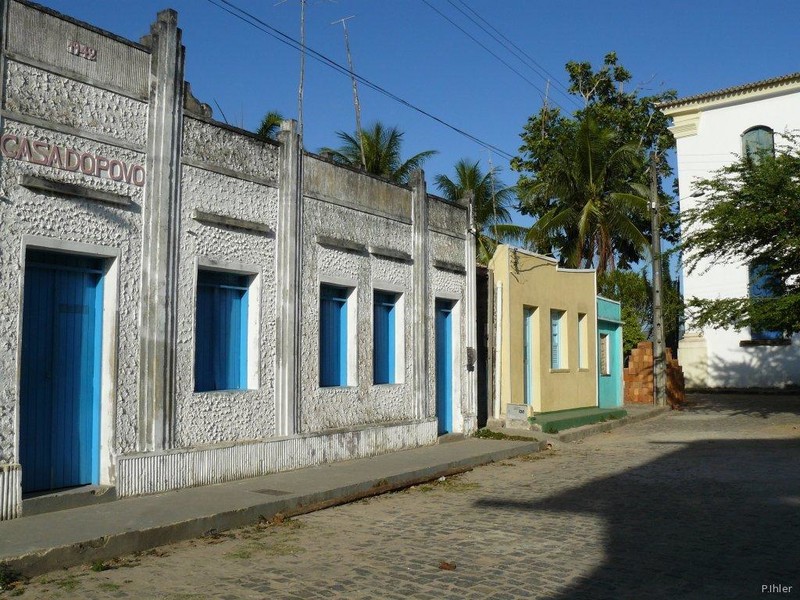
x=25 y=211
x=214 y=417
x=364 y=403
x=34 y=92
x=450 y=285
x=212 y=144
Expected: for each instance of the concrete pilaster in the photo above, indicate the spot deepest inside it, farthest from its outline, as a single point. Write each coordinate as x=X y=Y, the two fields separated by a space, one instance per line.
x=160 y=222
x=421 y=309
x=289 y=315
x=471 y=400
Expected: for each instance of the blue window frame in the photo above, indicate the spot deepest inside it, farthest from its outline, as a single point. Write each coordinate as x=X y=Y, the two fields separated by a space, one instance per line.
x=383 y=336
x=527 y=353
x=333 y=335
x=220 y=357
x=556 y=339
x=763 y=284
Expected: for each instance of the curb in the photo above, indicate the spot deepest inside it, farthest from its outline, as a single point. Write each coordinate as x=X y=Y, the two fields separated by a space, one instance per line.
x=579 y=433
x=117 y=544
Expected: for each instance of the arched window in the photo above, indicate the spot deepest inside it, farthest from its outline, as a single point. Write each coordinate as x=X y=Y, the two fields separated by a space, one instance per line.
x=757 y=141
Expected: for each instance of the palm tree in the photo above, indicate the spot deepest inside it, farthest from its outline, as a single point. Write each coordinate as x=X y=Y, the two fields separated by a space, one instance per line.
x=588 y=218
x=270 y=125
x=381 y=153
x=491 y=203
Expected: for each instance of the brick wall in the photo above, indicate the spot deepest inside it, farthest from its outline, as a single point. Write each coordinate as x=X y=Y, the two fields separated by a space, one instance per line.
x=638 y=377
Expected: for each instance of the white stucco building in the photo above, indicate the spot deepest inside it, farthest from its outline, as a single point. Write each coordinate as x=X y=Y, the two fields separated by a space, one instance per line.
x=712 y=130
x=182 y=303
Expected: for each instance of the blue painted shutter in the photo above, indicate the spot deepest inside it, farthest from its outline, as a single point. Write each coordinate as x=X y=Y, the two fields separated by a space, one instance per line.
x=221 y=331
x=384 y=337
x=333 y=336
x=527 y=351
x=444 y=365
x=555 y=337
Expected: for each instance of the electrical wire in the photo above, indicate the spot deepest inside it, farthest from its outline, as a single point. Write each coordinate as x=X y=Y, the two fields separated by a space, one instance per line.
x=487 y=49
x=514 y=49
x=253 y=21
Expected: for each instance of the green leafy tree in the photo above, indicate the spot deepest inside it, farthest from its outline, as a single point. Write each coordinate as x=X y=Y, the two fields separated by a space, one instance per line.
x=589 y=214
x=635 y=123
x=491 y=201
x=632 y=291
x=382 y=147
x=270 y=125
x=748 y=212
x=635 y=292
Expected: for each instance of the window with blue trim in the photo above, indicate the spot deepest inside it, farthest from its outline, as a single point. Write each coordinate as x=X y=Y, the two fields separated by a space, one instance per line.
x=763 y=284
x=220 y=357
x=333 y=335
x=384 y=337
x=556 y=339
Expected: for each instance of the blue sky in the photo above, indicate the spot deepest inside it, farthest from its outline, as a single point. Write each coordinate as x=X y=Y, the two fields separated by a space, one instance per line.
x=406 y=47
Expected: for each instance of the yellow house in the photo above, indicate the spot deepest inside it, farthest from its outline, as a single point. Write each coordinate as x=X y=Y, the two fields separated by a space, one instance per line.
x=545 y=333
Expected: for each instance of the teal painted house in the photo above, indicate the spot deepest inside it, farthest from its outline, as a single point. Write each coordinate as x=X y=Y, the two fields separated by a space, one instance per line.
x=609 y=353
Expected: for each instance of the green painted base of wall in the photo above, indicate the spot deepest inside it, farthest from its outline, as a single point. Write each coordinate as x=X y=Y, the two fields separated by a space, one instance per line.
x=559 y=420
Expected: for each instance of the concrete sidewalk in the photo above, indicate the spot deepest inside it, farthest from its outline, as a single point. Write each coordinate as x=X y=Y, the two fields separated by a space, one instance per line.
x=44 y=542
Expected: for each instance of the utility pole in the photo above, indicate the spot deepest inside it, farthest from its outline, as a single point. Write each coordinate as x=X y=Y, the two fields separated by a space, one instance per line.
x=302 y=71
x=302 y=68
x=659 y=362
x=356 y=103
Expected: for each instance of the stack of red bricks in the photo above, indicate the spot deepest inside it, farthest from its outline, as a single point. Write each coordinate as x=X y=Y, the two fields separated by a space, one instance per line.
x=638 y=377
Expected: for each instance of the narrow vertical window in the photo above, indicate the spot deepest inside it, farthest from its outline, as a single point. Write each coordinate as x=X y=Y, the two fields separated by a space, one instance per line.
x=527 y=353
x=583 y=342
x=383 y=335
x=605 y=365
x=763 y=284
x=758 y=141
x=557 y=341
x=333 y=335
x=221 y=331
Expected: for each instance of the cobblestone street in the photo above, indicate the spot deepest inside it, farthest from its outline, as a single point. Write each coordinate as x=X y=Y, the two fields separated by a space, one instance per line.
x=703 y=503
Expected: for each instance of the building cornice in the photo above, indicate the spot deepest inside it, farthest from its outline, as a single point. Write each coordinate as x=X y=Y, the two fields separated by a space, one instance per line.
x=751 y=91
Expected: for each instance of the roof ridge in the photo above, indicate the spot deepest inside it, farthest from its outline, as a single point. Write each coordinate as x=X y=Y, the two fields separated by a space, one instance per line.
x=773 y=81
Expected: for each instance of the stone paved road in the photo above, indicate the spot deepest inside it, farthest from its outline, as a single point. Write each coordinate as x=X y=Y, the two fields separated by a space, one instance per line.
x=699 y=504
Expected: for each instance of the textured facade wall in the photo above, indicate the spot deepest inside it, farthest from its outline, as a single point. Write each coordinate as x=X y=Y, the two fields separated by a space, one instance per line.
x=221 y=211
x=38 y=93
x=37 y=213
x=42 y=37
x=450 y=286
x=215 y=417
x=211 y=144
x=362 y=403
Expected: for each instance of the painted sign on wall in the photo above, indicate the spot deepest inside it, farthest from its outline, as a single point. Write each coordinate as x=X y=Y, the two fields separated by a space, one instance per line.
x=44 y=153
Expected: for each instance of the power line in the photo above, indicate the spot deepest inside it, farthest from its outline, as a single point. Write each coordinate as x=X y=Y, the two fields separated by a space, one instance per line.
x=253 y=21
x=487 y=49
x=514 y=49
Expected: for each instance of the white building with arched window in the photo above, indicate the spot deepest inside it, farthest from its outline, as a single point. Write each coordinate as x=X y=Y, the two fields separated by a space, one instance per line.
x=712 y=130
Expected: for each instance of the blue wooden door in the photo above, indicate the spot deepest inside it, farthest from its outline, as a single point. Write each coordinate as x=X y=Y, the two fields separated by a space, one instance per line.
x=444 y=365
x=60 y=371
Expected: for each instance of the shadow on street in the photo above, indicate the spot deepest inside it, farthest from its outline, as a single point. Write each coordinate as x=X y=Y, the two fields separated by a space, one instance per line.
x=713 y=519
